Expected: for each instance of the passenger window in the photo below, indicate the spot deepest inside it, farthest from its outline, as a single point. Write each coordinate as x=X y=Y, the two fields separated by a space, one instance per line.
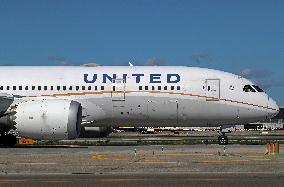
x=1 y=87
x=248 y=88
x=58 y=88
x=26 y=88
x=165 y=88
x=153 y=87
x=64 y=87
x=45 y=87
x=146 y=87
x=77 y=88
x=96 y=88
x=51 y=87
x=20 y=88
x=70 y=87
x=89 y=87
x=140 y=87
x=14 y=87
x=83 y=88
x=178 y=87
x=102 y=88
x=33 y=87
x=8 y=87
x=39 y=87
x=159 y=87
x=172 y=88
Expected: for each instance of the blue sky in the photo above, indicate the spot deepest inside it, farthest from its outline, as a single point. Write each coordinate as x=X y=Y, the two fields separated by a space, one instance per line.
x=241 y=36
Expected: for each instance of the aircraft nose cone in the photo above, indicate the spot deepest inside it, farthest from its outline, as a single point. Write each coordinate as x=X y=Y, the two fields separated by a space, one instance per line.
x=273 y=108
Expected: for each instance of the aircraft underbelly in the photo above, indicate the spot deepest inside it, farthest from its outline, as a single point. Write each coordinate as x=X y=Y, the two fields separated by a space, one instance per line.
x=165 y=111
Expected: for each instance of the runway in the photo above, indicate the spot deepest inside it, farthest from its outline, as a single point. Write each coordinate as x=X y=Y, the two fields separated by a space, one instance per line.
x=155 y=180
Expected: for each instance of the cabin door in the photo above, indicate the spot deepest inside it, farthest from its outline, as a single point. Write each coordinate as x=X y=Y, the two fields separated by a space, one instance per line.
x=212 y=89
x=118 y=90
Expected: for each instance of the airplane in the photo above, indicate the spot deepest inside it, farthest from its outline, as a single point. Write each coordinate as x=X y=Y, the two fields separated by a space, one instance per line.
x=55 y=103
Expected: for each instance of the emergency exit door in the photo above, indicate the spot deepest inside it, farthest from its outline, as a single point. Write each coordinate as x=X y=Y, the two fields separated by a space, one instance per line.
x=212 y=89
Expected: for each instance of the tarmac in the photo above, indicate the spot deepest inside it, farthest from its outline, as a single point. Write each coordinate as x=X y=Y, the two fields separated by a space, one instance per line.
x=142 y=180
x=170 y=165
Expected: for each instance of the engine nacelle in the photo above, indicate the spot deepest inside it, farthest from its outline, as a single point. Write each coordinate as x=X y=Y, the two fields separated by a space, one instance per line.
x=95 y=132
x=48 y=119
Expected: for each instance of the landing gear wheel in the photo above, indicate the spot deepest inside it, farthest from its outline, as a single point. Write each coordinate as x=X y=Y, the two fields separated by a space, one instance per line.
x=8 y=140
x=223 y=140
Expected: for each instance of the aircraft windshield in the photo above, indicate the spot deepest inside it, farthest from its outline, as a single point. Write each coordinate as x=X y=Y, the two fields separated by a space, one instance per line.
x=248 y=88
x=258 y=88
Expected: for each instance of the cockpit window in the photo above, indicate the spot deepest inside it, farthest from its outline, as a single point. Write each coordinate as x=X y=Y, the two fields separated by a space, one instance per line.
x=258 y=88
x=248 y=88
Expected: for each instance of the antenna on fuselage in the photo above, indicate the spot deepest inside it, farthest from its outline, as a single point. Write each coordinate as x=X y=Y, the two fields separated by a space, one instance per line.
x=130 y=64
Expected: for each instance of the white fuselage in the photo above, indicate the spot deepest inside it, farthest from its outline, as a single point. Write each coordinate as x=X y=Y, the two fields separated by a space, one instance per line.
x=142 y=96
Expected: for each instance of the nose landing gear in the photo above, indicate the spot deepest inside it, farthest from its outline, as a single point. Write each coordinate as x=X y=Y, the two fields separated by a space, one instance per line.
x=223 y=139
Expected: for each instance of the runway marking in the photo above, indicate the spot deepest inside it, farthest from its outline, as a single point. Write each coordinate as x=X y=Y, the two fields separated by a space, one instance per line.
x=10 y=181
x=155 y=162
x=212 y=161
x=104 y=157
x=188 y=154
x=99 y=157
x=255 y=156
x=149 y=179
x=121 y=158
x=13 y=181
x=152 y=160
x=221 y=161
x=261 y=159
x=35 y=163
x=114 y=180
x=207 y=179
x=54 y=181
x=240 y=160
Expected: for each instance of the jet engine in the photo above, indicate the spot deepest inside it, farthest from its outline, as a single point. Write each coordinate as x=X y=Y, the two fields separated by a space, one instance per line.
x=95 y=132
x=46 y=119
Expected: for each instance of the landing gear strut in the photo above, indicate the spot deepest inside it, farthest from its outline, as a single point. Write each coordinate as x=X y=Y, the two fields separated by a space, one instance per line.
x=223 y=139
x=8 y=140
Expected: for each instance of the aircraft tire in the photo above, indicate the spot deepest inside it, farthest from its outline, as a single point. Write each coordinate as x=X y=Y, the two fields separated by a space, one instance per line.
x=223 y=140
